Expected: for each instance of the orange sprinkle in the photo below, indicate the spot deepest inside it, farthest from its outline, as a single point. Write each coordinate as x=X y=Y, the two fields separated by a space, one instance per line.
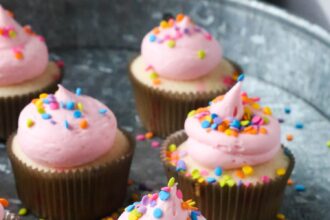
x=290 y=182
x=83 y=124
x=253 y=131
x=221 y=128
x=156 y=30
x=10 y=13
x=289 y=137
x=263 y=130
x=27 y=29
x=170 y=23
x=19 y=55
x=240 y=174
x=156 y=81
x=179 y=17
x=234 y=133
x=4 y=202
x=149 y=135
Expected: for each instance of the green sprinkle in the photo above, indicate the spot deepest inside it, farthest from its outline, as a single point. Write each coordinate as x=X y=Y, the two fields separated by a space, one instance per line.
x=29 y=123
x=172 y=148
x=191 y=113
x=230 y=182
x=22 y=212
x=222 y=183
x=201 y=54
x=266 y=120
x=328 y=143
x=245 y=123
x=171 y=182
x=171 y=43
x=153 y=75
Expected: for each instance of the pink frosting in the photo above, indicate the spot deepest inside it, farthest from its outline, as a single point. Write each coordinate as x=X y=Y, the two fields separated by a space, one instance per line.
x=212 y=148
x=23 y=55
x=2 y=212
x=171 y=208
x=61 y=141
x=181 y=62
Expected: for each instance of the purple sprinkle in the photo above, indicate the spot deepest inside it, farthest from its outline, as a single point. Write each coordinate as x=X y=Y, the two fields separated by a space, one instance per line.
x=145 y=200
x=142 y=209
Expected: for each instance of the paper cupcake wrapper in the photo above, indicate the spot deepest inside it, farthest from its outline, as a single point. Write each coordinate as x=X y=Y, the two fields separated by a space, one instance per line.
x=11 y=216
x=85 y=193
x=11 y=106
x=255 y=202
x=164 y=112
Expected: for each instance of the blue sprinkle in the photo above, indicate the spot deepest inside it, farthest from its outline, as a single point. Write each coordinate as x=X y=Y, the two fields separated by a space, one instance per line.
x=235 y=123
x=287 y=110
x=281 y=120
x=46 y=101
x=205 y=124
x=153 y=203
x=213 y=116
x=77 y=114
x=78 y=91
x=102 y=111
x=152 y=38
x=287 y=152
x=211 y=180
x=66 y=124
x=240 y=78
x=300 y=188
x=181 y=166
x=46 y=116
x=164 y=195
x=218 y=171
x=130 y=208
x=70 y=105
x=62 y=104
x=194 y=215
x=214 y=126
x=299 y=125
x=158 y=213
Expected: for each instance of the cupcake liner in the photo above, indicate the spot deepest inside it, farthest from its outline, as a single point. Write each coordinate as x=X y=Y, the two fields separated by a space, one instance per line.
x=11 y=216
x=11 y=106
x=85 y=193
x=164 y=112
x=239 y=202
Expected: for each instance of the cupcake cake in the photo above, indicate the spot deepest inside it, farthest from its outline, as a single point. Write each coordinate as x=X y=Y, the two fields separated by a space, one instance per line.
x=166 y=205
x=181 y=67
x=68 y=154
x=5 y=214
x=229 y=158
x=25 y=70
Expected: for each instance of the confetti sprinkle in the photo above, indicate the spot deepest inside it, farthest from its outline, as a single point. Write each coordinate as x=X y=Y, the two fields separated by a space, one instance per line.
x=171 y=182
x=158 y=213
x=247 y=170
x=281 y=172
x=83 y=124
x=328 y=143
x=22 y=212
x=78 y=91
x=77 y=114
x=102 y=111
x=201 y=54
x=29 y=123
x=300 y=188
x=299 y=125
x=140 y=137
x=4 y=202
x=171 y=43
x=240 y=78
x=218 y=171
x=66 y=124
x=149 y=135
x=172 y=148
x=280 y=216
x=46 y=116
x=155 y=144
x=289 y=137
x=164 y=195
x=287 y=110
x=290 y=182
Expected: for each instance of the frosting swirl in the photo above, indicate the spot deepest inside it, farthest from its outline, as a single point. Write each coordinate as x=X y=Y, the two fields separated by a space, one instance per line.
x=165 y=205
x=65 y=129
x=180 y=50
x=23 y=54
x=232 y=132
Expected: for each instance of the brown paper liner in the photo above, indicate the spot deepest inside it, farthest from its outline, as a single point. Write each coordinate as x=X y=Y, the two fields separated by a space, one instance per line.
x=256 y=202
x=86 y=193
x=11 y=216
x=11 y=106
x=164 y=112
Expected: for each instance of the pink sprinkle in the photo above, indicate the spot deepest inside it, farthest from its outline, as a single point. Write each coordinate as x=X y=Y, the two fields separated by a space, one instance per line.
x=265 y=179
x=166 y=189
x=149 y=67
x=41 y=38
x=247 y=184
x=179 y=194
x=54 y=105
x=167 y=37
x=140 y=137
x=204 y=173
x=178 y=35
x=60 y=63
x=187 y=174
x=256 y=119
x=208 y=36
x=228 y=80
x=244 y=94
x=154 y=196
x=155 y=144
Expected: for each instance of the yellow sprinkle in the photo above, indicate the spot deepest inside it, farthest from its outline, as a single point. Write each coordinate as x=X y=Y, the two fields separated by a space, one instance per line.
x=41 y=110
x=230 y=182
x=280 y=216
x=38 y=103
x=195 y=174
x=267 y=110
x=29 y=123
x=80 y=106
x=172 y=148
x=280 y=172
x=191 y=113
x=201 y=180
x=201 y=54
x=228 y=132
x=164 y=24
x=255 y=105
x=171 y=182
x=22 y=212
x=247 y=170
x=171 y=43
x=43 y=95
x=153 y=75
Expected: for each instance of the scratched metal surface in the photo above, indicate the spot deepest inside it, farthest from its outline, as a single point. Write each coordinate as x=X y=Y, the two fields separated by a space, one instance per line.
x=285 y=59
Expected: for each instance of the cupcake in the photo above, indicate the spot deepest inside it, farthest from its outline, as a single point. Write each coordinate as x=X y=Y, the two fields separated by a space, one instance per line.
x=68 y=154
x=181 y=67
x=165 y=205
x=5 y=214
x=25 y=70
x=229 y=158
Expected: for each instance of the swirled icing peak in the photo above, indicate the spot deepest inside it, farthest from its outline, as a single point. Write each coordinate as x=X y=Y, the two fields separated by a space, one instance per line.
x=165 y=205
x=64 y=129
x=181 y=50
x=23 y=54
x=232 y=132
